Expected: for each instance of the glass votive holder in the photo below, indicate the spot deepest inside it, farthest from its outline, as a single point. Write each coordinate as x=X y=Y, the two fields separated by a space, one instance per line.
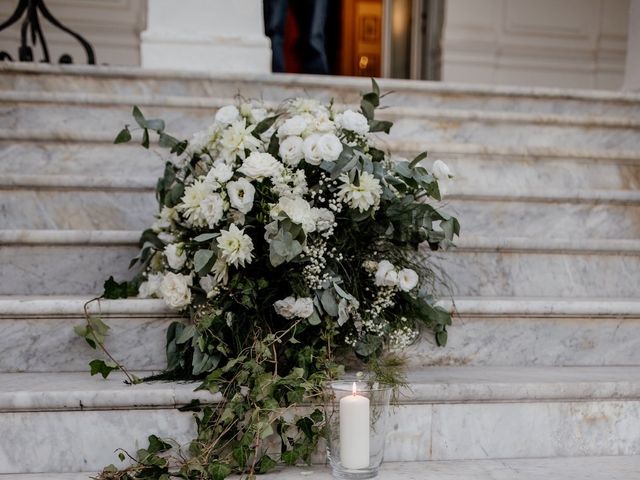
x=356 y=418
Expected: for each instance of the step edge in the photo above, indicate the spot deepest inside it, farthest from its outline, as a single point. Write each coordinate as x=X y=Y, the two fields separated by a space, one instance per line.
x=321 y=81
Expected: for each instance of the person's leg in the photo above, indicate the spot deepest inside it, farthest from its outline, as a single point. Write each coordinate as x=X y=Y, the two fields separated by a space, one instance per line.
x=275 y=17
x=312 y=16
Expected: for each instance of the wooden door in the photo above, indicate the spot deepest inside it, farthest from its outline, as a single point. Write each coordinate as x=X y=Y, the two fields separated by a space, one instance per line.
x=361 y=38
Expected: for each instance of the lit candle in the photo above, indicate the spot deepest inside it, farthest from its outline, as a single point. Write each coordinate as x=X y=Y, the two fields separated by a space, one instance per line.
x=354 y=430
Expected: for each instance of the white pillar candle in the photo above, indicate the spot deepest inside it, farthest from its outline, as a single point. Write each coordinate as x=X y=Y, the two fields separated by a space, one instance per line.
x=354 y=430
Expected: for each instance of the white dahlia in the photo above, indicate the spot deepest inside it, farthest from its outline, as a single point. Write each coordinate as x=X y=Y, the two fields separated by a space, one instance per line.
x=235 y=246
x=362 y=196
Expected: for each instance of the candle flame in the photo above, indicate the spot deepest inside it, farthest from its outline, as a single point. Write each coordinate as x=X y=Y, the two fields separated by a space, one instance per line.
x=354 y=388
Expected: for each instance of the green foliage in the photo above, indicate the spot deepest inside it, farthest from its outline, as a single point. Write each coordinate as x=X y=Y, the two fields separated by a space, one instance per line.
x=268 y=370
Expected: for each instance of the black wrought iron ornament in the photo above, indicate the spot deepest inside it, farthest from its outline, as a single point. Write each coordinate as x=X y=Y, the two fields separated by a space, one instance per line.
x=32 y=30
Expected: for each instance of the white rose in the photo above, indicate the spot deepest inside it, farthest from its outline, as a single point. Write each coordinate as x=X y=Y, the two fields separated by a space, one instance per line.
x=220 y=173
x=353 y=121
x=241 y=194
x=176 y=256
x=293 y=126
x=175 y=290
x=329 y=147
x=407 y=279
x=291 y=307
x=324 y=218
x=227 y=115
x=299 y=211
x=285 y=307
x=441 y=170
x=291 y=150
x=386 y=276
x=257 y=166
x=311 y=151
x=304 y=307
x=151 y=286
x=212 y=209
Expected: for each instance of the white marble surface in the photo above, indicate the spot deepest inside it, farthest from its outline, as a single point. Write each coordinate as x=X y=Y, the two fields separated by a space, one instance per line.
x=452 y=414
x=434 y=94
x=38 y=336
x=432 y=126
x=576 y=468
x=62 y=269
x=76 y=441
x=49 y=392
x=538 y=274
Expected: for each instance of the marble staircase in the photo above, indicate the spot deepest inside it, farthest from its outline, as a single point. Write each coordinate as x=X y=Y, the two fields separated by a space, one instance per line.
x=543 y=359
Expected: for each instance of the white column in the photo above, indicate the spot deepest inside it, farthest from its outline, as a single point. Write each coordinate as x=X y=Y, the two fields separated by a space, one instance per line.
x=225 y=36
x=632 y=70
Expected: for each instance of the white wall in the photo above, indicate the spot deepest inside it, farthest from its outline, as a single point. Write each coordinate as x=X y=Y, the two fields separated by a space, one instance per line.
x=112 y=26
x=559 y=43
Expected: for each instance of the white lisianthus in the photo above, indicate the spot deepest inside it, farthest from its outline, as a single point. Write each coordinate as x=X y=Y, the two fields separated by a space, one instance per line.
x=235 y=246
x=241 y=194
x=353 y=121
x=151 y=286
x=175 y=290
x=175 y=255
x=257 y=166
x=407 y=279
x=292 y=307
x=362 y=196
x=212 y=209
x=227 y=115
x=441 y=170
x=236 y=139
x=311 y=150
x=292 y=126
x=299 y=211
x=329 y=147
x=386 y=275
x=291 y=150
x=220 y=173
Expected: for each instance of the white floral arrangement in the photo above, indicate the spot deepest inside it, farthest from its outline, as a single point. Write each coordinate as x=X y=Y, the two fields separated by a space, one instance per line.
x=270 y=216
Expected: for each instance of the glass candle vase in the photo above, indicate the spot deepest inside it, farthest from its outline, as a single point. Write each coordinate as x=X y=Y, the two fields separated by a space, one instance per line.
x=357 y=414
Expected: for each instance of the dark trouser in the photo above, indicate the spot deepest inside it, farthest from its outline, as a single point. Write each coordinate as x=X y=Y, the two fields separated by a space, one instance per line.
x=311 y=16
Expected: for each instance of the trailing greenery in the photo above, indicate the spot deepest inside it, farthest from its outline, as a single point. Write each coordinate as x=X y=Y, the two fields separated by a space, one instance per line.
x=293 y=246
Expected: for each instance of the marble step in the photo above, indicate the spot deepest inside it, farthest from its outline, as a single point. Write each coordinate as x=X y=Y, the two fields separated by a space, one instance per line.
x=123 y=81
x=38 y=333
x=74 y=422
x=73 y=202
x=562 y=468
x=74 y=153
x=58 y=262
x=38 y=336
x=108 y=113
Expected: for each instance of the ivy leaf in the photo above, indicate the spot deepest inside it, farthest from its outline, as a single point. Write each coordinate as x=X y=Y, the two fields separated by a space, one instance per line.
x=156 y=445
x=375 y=87
x=104 y=369
x=264 y=125
x=145 y=138
x=380 y=126
x=418 y=159
x=124 y=136
x=218 y=471
x=367 y=109
x=266 y=464
x=114 y=290
x=156 y=124
x=167 y=141
x=205 y=237
x=139 y=117
x=203 y=260
x=441 y=338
